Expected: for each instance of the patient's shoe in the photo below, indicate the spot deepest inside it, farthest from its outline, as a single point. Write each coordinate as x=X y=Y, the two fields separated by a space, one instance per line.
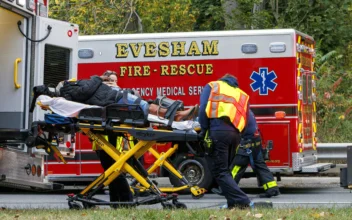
x=189 y=114
x=44 y=90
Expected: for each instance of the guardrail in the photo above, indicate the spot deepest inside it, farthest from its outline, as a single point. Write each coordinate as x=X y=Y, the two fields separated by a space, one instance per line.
x=332 y=151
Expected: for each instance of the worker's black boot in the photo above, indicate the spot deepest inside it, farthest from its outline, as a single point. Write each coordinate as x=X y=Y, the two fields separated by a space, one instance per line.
x=270 y=193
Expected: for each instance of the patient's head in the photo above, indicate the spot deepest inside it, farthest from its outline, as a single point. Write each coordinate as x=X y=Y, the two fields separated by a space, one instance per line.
x=110 y=78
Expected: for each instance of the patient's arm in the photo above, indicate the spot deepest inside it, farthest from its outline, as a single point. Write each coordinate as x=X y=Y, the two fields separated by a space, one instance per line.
x=89 y=88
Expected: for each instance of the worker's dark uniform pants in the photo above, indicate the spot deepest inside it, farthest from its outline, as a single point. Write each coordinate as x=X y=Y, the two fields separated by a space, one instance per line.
x=240 y=164
x=119 y=189
x=219 y=160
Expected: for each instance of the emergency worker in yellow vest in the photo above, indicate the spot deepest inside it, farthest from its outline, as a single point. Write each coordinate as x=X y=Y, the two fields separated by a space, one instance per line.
x=250 y=152
x=223 y=116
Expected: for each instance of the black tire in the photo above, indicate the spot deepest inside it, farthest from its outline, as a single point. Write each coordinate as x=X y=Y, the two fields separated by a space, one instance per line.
x=194 y=169
x=180 y=205
x=88 y=205
x=75 y=206
x=168 y=205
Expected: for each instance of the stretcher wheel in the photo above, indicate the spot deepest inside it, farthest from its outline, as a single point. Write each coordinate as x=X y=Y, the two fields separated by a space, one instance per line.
x=180 y=205
x=75 y=206
x=167 y=205
x=87 y=205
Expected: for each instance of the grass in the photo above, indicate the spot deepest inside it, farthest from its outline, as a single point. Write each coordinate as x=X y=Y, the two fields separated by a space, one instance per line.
x=211 y=214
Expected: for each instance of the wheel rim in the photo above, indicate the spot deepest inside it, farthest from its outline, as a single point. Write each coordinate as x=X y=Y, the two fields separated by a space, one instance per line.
x=192 y=170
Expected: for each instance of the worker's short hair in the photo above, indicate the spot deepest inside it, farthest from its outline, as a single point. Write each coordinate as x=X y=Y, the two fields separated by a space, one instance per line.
x=228 y=75
x=109 y=73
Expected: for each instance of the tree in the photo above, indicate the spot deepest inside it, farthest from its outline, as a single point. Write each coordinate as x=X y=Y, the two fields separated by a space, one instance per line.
x=95 y=16
x=210 y=15
x=166 y=15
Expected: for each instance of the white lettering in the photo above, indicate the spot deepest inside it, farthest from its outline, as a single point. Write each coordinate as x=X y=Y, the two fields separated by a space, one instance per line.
x=170 y=91
x=195 y=90
x=144 y=91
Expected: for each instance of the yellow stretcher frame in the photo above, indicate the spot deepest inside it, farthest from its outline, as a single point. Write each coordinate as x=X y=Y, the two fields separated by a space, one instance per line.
x=101 y=142
x=95 y=133
x=161 y=160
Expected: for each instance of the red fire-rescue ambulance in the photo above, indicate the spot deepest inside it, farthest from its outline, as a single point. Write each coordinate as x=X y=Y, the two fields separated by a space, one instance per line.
x=275 y=67
x=34 y=50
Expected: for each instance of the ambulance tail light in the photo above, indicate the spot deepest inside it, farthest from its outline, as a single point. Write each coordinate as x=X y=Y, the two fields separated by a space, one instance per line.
x=280 y=114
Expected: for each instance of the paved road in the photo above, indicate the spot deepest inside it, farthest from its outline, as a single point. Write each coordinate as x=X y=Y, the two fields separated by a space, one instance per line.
x=296 y=192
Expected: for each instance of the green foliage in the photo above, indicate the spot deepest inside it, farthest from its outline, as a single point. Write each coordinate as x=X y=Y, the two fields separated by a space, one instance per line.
x=250 y=14
x=327 y=21
x=210 y=15
x=334 y=98
x=92 y=16
x=166 y=16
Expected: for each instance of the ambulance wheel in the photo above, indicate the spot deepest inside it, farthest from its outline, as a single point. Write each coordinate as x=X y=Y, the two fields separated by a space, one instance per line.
x=195 y=170
x=75 y=206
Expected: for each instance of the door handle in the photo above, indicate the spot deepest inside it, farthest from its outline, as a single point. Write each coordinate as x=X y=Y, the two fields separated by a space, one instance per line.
x=15 y=73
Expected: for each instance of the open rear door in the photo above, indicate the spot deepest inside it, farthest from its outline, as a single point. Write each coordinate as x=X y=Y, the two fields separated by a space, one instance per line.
x=56 y=58
x=13 y=71
x=56 y=55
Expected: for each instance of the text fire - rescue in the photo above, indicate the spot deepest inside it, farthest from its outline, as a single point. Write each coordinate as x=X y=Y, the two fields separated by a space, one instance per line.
x=164 y=49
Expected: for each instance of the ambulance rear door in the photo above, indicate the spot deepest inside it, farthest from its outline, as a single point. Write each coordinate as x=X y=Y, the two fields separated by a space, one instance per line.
x=56 y=56
x=14 y=71
x=56 y=60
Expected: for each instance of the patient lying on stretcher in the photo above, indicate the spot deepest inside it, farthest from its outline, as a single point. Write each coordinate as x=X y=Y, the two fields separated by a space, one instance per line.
x=94 y=93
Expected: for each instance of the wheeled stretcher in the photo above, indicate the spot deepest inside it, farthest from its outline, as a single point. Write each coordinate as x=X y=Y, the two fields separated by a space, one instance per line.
x=125 y=120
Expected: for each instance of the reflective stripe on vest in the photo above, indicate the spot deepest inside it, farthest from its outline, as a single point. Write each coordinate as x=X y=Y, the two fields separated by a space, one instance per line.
x=225 y=100
x=119 y=143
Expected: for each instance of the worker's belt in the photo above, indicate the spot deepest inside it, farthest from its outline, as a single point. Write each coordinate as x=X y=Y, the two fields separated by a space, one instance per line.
x=251 y=144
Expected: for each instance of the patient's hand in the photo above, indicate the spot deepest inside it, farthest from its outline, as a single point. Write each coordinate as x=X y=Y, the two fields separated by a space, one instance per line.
x=45 y=107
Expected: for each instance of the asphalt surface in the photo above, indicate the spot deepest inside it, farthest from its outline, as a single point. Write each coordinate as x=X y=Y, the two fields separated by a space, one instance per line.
x=295 y=192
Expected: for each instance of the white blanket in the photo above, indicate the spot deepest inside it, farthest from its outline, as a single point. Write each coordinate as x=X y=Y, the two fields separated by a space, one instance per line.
x=67 y=108
x=179 y=125
x=62 y=106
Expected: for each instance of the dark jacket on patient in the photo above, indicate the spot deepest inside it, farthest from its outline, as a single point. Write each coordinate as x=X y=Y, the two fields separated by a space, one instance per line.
x=92 y=92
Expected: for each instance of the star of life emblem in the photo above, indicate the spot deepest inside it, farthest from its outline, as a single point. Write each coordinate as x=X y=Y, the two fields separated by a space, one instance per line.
x=263 y=80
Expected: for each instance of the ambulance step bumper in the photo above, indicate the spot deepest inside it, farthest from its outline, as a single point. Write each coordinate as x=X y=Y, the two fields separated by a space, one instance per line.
x=316 y=168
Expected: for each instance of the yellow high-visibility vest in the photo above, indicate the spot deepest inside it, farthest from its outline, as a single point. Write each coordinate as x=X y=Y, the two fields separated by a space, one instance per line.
x=227 y=101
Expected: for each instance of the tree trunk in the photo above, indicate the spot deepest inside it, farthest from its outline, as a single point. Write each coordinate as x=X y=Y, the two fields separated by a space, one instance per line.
x=229 y=7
